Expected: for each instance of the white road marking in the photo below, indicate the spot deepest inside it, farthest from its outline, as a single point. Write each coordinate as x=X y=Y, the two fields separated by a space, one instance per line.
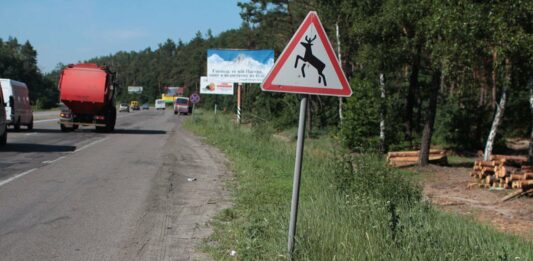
x=45 y=120
x=4 y=182
x=89 y=145
x=17 y=176
x=52 y=161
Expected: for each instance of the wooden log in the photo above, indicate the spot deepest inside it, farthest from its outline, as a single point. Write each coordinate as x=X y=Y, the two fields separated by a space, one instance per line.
x=511 y=162
x=522 y=183
x=526 y=168
x=524 y=176
x=513 y=195
x=482 y=163
x=505 y=171
x=400 y=164
x=509 y=157
x=490 y=180
x=410 y=161
x=491 y=169
x=413 y=153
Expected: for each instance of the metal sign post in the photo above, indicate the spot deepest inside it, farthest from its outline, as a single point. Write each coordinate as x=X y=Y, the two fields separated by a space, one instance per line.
x=194 y=98
x=297 y=174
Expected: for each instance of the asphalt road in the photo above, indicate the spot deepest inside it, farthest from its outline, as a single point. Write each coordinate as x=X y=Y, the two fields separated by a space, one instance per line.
x=144 y=192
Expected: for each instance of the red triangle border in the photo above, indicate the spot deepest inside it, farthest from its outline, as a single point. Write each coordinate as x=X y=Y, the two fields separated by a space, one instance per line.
x=312 y=18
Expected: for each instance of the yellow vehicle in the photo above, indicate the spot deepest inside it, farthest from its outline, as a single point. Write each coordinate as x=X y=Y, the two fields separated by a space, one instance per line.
x=134 y=105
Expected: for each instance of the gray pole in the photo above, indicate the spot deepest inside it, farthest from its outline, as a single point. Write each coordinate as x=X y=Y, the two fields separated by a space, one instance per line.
x=340 y=63
x=297 y=172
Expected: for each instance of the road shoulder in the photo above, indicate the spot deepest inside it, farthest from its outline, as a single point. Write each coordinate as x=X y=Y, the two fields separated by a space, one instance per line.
x=188 y=190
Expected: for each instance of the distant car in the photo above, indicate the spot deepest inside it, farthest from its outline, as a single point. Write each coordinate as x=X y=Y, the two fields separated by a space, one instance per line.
x=181 y=105
x=124 y=107
x=146 y=106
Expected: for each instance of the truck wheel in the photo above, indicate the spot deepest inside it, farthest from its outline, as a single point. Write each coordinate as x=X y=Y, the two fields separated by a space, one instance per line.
x=110 y=126
x=16 y=125
x=30 y=125
x=3 y=139
x=65 y=128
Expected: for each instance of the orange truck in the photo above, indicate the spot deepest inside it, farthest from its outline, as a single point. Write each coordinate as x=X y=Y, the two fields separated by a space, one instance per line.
x=88 y=92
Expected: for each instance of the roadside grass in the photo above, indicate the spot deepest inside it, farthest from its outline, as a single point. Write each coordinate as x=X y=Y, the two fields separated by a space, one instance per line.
x=352 y=207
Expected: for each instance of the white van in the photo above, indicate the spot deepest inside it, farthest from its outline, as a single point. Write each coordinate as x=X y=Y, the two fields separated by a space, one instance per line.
x=3 y=122
x=18 y=108
x=159 y=104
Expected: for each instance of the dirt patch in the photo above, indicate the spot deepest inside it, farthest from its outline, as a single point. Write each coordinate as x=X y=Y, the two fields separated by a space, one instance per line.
x=447 y=188
x=187 y=192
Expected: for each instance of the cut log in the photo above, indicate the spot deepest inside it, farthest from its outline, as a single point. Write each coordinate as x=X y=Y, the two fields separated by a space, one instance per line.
x=522 y=183
x=402 y=164
x=526 y=168
x=513 y=195
x=490 y=180
x=509 y=157
x=505 y=171
x=525 y=176
x=413 y=153
x=511 y=162
x=482 y=163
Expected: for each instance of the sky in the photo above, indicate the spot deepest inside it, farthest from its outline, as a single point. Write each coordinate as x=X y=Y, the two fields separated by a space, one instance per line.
x=66 y=32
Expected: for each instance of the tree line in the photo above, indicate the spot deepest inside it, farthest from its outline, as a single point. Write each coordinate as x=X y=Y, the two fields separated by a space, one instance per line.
x=18 y=61
x=422 y=72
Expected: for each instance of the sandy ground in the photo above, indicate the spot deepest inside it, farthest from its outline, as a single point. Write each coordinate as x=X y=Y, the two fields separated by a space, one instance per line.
x=446 y=188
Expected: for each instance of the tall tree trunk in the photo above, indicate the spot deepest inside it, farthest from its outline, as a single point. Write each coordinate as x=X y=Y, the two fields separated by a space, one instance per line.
x=500 y=109
x=382 y=113
x=494 y=78
x=411 y=94
x=427 y=133
x=530 y=151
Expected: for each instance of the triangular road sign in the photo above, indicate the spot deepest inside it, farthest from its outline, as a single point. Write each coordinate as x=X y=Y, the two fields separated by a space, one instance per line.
x=308 y=64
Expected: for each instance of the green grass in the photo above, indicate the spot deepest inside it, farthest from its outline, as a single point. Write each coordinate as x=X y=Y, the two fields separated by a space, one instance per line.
x=351 y=207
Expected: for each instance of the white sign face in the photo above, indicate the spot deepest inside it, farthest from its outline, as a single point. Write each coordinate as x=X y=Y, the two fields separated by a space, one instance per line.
x=135 y=89
x=209 y=87
x=308 y=64
x=242 y=66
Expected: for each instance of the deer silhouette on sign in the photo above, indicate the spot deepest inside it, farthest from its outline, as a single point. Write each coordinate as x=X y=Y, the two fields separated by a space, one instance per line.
x=311 y=59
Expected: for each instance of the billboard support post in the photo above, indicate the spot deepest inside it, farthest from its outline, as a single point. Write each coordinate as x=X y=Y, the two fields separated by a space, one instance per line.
x=239 y=103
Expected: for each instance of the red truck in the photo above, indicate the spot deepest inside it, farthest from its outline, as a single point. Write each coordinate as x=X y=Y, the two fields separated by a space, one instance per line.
x=88 y=92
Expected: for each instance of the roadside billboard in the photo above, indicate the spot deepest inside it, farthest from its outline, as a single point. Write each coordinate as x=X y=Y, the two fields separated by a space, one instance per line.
x=174 y=91
x=135 y=89
x=241 y=66
x=209 y=87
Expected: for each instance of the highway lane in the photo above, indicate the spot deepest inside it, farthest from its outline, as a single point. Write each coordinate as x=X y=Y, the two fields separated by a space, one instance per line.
x=30 y=149
x=119 y=196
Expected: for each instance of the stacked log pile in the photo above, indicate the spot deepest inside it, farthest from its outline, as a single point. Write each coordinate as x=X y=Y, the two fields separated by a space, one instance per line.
x=504 y=172
x=410 y=158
